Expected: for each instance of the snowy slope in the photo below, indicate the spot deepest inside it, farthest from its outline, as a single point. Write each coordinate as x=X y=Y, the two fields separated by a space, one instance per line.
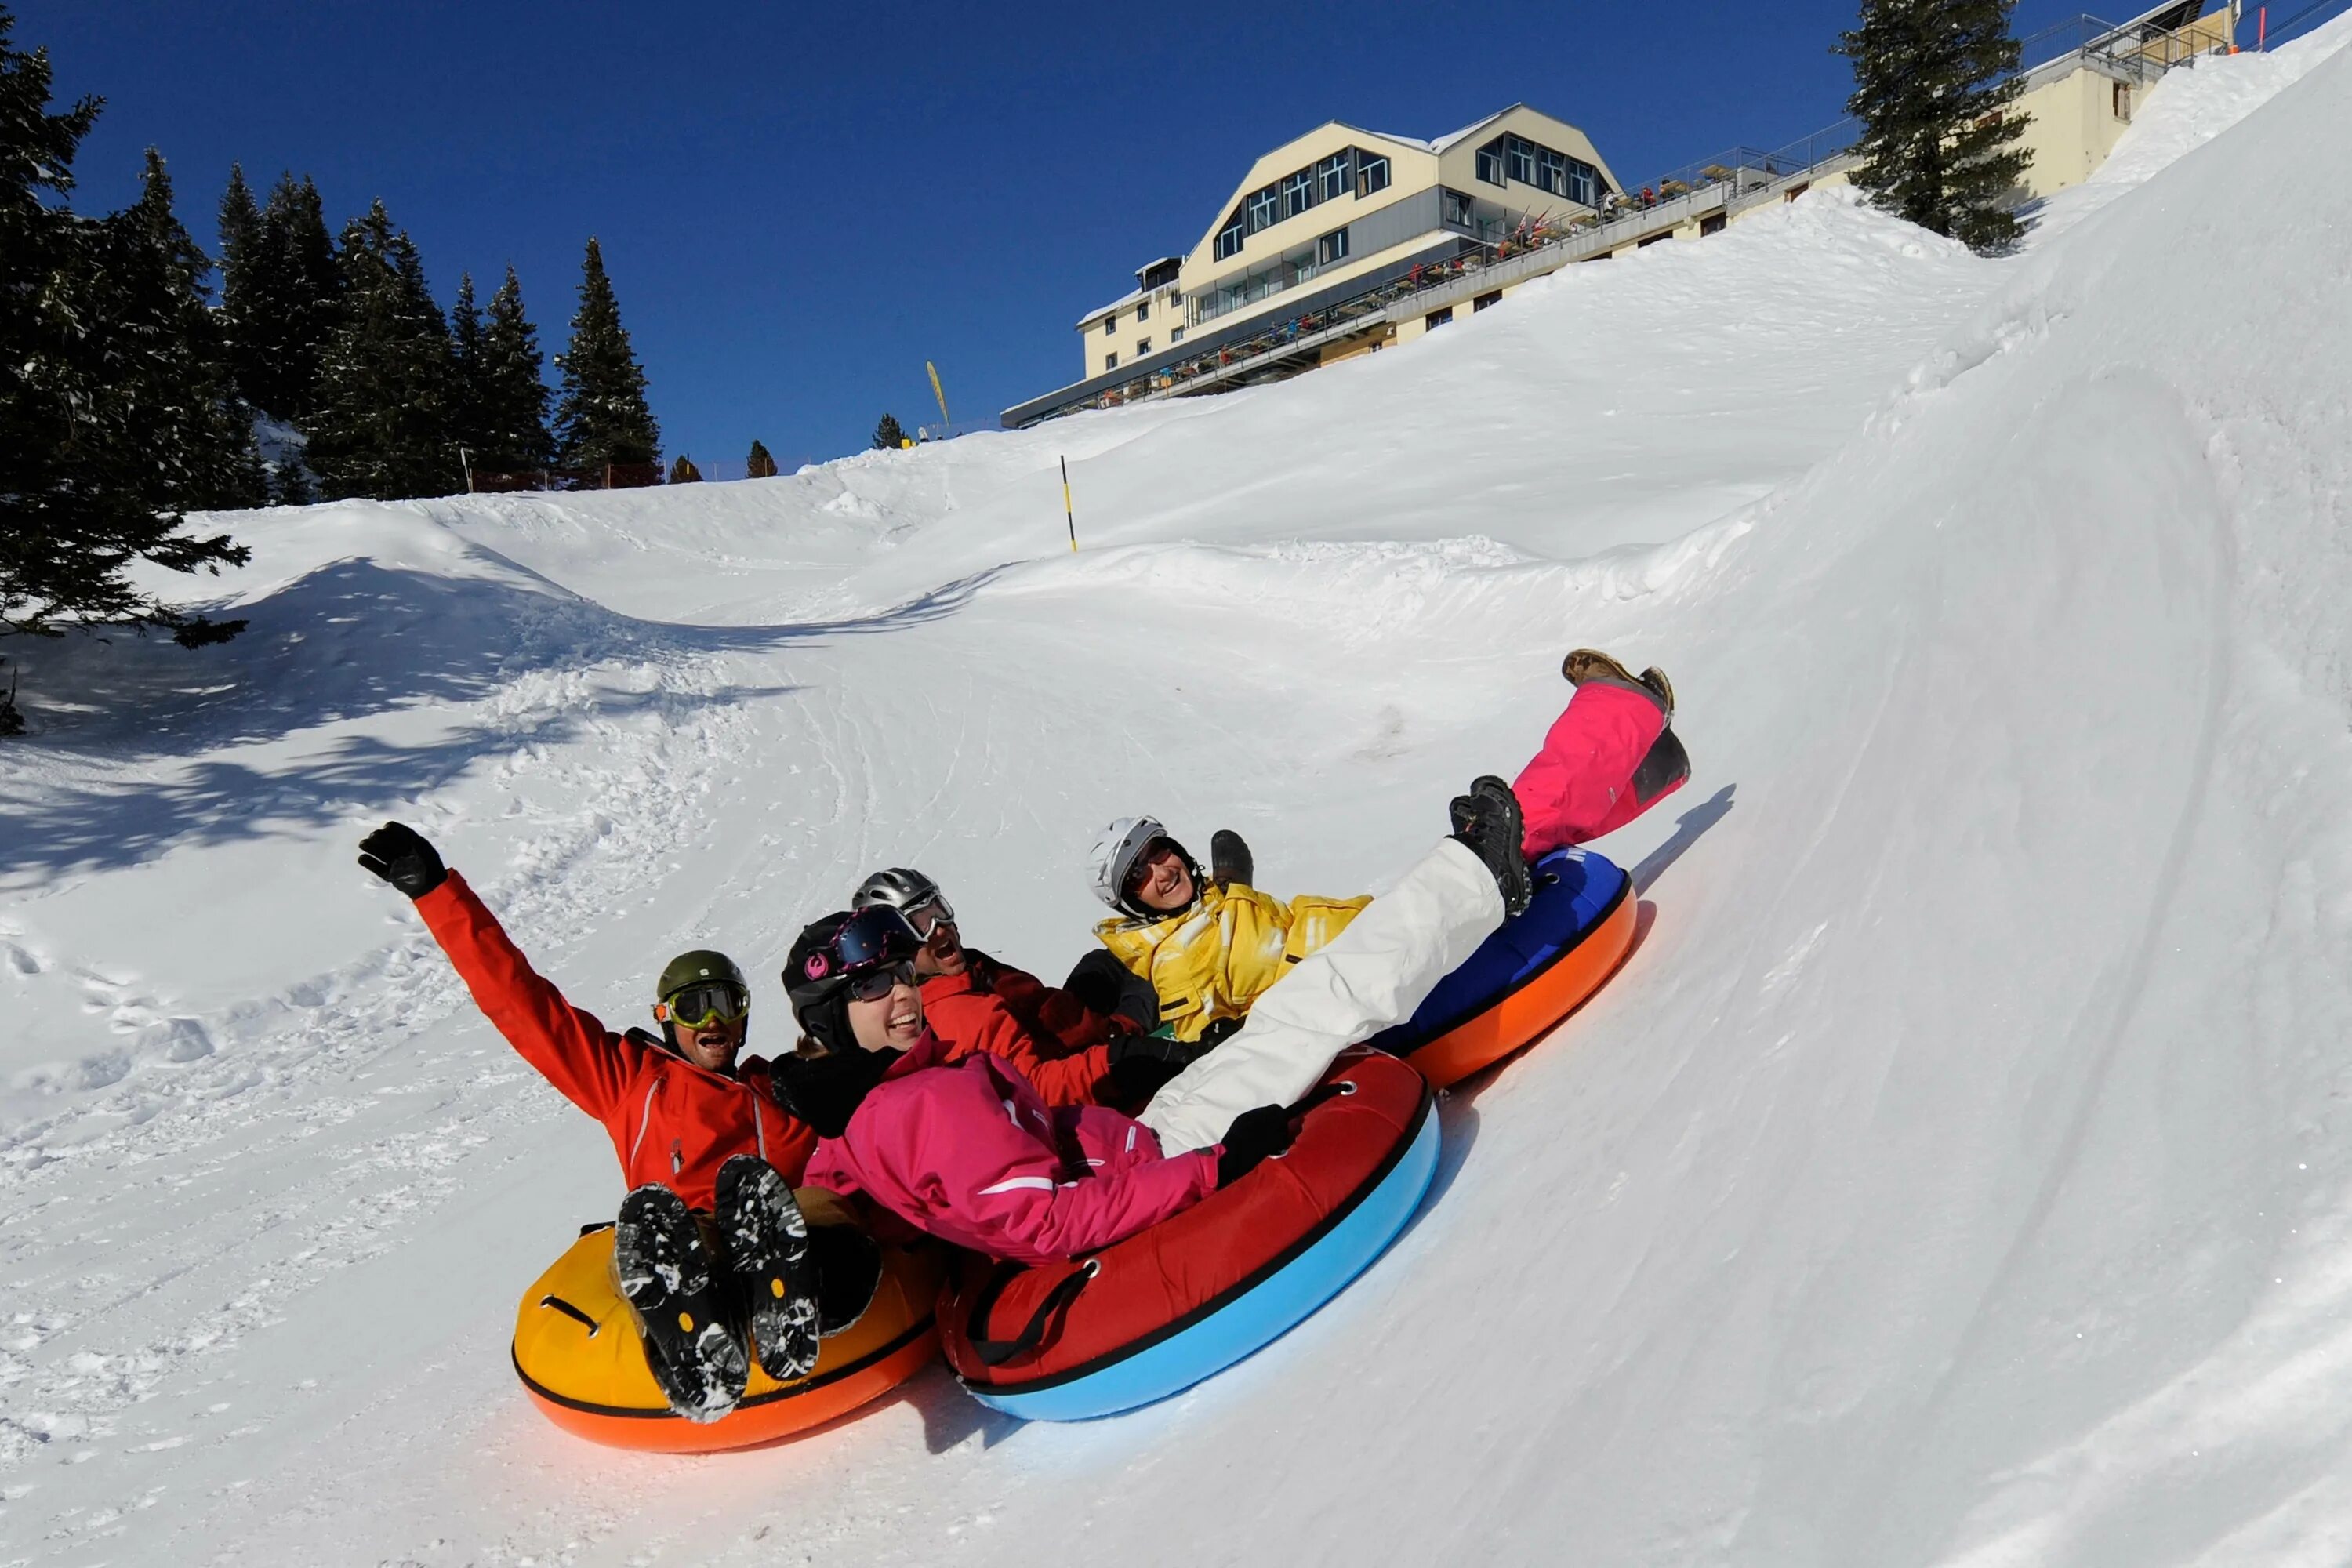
x=1958 y=1174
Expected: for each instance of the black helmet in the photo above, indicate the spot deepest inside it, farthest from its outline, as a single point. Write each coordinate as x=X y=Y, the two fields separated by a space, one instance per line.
x=829 y=955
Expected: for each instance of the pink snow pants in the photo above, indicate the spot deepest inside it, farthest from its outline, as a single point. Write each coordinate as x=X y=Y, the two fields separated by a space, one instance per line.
x=1580 y=784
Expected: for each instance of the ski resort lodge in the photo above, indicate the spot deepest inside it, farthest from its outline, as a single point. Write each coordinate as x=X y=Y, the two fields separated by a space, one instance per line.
x=1344 y=241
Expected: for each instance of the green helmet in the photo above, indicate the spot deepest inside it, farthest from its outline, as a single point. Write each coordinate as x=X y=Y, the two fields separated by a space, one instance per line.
x=702 y=963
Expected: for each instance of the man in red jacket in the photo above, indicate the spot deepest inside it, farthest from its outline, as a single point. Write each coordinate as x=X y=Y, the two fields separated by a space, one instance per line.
x=695 y=1129
x=1071 y=1052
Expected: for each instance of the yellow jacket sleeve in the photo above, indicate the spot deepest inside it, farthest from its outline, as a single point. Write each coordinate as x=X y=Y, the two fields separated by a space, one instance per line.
x=1213 y=960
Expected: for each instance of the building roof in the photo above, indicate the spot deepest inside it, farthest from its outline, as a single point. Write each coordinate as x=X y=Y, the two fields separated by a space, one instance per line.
x=1121 y=304
x=1129 y=297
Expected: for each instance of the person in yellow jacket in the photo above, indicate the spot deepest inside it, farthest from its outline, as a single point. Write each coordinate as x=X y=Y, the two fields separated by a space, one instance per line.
x=1209 y=945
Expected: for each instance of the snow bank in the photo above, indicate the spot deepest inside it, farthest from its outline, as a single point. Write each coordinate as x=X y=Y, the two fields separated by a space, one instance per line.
x=1957 y=1173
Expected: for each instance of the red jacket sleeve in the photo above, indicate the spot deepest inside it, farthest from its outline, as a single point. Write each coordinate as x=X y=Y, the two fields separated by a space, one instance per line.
x=1077 y=1080
x=572 y=1050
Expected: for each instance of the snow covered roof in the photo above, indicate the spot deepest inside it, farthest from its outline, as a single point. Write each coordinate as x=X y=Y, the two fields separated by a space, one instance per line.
x=1121 y=304
x=1131 y=296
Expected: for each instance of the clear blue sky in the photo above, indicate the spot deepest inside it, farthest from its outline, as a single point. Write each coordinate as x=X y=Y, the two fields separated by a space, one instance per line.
x=801 y=204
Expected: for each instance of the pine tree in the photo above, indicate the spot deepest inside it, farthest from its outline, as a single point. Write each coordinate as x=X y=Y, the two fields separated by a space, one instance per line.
x=162 y=360
x=465 y=391
x=1934 y=82
x=241 y=244
x=602 y=417
x=79 y=502
x=887 y=435
x=684 y=472
x=387 y=383
x=283 y=316
x=511 y=421
x=758 y=465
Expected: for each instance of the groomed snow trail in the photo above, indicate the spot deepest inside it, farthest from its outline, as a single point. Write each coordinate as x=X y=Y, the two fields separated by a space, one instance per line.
x=1959 y=1173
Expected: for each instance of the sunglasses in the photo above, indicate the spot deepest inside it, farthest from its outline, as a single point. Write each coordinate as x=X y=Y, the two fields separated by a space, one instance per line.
x=708 y=1005
x=873 y=984
x=1140 y=872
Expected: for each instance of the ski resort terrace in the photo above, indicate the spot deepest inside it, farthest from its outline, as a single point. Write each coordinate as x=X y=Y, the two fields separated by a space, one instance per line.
x=1472 y=263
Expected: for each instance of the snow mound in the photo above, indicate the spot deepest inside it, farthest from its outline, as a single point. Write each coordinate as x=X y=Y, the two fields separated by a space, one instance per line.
x=1957 y=1173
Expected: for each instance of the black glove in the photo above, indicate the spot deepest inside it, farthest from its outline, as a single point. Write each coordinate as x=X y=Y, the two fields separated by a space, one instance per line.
x=1141 y=1065
x=1105 y=985
x=1254 y=1136
x=1230 y=860
x=1217 y=1033
x=400 y=854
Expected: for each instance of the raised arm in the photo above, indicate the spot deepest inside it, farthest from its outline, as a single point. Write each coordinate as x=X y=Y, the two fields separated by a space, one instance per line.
x=569 y=1047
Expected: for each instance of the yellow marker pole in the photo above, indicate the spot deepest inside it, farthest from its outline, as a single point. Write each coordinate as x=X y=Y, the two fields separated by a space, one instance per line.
x=942 y=395
x=1067 y=512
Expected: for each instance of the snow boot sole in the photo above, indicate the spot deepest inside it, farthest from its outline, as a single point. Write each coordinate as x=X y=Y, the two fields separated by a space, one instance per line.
x=1495 y=832
x=767 y=1243
x=1585 y=663
x=665 y=1273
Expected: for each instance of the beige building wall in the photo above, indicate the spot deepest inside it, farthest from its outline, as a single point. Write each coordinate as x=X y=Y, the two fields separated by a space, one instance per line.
x=2075 y=122
x=1415 y=170
x=1143 y=323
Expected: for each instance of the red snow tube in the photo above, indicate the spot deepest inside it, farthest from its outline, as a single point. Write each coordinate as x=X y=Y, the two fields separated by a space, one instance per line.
x=1009 y=1328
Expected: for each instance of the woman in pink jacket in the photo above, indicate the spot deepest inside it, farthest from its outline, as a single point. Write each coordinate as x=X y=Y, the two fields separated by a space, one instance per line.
x=971 y=1153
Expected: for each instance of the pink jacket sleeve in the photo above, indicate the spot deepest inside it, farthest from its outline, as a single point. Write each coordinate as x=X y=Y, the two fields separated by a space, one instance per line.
x=1000 y=1188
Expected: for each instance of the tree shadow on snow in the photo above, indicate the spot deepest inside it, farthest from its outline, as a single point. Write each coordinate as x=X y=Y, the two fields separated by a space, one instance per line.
x=349 y=641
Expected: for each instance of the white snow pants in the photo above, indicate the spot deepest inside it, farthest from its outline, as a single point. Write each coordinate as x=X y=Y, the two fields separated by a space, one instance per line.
x=1372 y=974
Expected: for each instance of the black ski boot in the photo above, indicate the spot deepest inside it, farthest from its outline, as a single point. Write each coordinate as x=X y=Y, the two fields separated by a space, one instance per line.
x=766 y=1239
x=665 y=1272
x=1486 y=822
x=1230 y=860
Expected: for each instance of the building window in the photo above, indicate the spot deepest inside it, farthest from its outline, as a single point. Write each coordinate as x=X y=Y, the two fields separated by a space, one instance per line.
x=1110 y=362
x=1229 y=237
x=1264 y=208
x=1331 y=178
x=1483 y=300
x=1111 y=325
x=2123 y=101
x=1142 y=347
x=1521 y=156
x=1175 y=334
x=1712 y=223
x=1332 y=248
x=1437 y=318
x=1453 y=208
x=1142 y=310
x=1371 y=175
x=1297 y=193
x=1490 y=162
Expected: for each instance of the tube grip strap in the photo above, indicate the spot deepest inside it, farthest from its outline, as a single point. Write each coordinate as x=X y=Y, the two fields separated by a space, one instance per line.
x=996 y=1352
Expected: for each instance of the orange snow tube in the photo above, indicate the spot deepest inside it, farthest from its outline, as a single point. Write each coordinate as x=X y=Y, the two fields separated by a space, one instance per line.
x=578 y=1354
x=1533 y=971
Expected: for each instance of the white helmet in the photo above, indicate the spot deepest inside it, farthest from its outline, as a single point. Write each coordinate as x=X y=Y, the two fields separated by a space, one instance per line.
x=1117 y=850
x=902 y=887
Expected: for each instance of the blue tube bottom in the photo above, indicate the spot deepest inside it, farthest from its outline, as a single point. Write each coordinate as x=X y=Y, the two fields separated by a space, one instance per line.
x=1247 y=1324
